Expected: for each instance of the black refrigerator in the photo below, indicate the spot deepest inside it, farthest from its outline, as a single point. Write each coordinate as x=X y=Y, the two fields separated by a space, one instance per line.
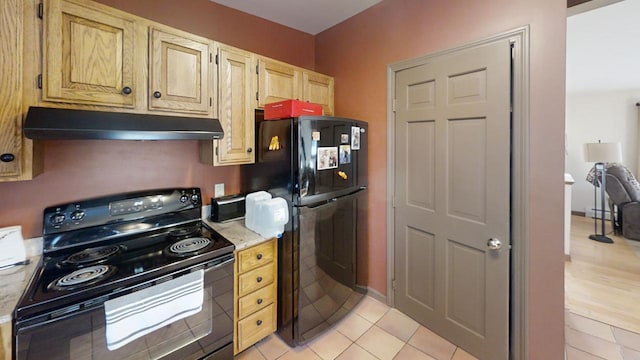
x=319 y=165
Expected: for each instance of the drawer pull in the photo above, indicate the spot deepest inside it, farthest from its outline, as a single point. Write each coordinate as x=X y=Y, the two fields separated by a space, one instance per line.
x=259 y=256
x=259 y=279
x=259 y=301
x=259 y=322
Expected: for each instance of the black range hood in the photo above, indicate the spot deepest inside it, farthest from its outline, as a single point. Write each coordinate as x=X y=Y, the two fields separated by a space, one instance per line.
x=51 y=123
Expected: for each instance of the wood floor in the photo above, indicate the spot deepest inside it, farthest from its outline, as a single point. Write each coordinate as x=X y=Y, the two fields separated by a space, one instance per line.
x=602 y=281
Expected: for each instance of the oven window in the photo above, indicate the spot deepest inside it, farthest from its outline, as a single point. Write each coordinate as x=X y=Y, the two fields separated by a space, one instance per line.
x=83 y=335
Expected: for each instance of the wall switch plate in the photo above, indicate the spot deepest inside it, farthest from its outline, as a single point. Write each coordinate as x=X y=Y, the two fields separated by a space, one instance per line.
x=218 y=190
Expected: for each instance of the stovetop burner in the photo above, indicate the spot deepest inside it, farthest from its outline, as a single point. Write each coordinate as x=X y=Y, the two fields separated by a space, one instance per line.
x=191 y=231
x=82 y=277
x=91 y=255
x=188 y=247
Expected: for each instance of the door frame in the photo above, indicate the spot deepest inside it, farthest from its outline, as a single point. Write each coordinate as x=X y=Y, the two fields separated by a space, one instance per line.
x=519 y=38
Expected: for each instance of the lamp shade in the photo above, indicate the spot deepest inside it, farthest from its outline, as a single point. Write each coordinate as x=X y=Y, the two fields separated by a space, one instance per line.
x=603 y=152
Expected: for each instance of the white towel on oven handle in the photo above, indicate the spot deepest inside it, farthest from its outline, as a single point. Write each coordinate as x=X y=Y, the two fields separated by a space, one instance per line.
x=137 y=314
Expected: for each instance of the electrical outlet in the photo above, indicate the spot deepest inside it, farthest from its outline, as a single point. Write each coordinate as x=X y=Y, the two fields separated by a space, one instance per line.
x=218 y=190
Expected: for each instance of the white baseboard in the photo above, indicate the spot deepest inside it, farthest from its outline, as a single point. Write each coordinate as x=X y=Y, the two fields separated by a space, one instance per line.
x=590 y=212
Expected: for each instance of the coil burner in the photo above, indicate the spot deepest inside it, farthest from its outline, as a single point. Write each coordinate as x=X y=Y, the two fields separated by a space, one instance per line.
x=91 y=255
x=188 y=247
x=186 y=232
x=82 y=277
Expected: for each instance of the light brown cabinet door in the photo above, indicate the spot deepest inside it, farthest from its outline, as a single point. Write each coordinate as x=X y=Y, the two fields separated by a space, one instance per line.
x=179 y=73
x=318 y=88
x=11 y=89
x=236 y=88
x=277 y=82
x=88 y=55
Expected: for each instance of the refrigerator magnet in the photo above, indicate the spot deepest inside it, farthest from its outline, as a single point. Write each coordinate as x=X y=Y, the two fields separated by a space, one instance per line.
x=345 y=154
x=315 y=135
x=344 y=138
x=327 y=157
x=355 y=138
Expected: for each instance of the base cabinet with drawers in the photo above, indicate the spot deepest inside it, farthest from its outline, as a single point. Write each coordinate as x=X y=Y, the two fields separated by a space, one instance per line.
x=255 y=287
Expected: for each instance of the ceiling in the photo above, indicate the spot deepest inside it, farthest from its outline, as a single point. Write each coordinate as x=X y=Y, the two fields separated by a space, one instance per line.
x=602 y=49
x=310 y=16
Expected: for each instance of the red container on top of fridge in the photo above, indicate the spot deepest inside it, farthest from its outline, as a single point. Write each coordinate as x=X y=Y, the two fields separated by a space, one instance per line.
x=290 y=108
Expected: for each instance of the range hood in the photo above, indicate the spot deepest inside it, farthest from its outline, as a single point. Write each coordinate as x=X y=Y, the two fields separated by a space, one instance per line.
x=51 y=123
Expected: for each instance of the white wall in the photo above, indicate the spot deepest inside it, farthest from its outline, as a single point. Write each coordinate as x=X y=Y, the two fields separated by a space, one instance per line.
x=609 y=116
x=603 y=86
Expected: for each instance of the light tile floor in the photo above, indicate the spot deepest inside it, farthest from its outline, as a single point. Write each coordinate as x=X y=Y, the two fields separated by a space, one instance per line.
x=374 y=331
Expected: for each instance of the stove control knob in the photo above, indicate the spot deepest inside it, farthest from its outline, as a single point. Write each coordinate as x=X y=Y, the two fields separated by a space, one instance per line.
x=57 y=219
x=194 y=198
x=184 y=198
x=77 y=215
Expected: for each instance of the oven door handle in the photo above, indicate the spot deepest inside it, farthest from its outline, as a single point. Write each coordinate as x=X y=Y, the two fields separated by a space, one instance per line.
x=218 y=265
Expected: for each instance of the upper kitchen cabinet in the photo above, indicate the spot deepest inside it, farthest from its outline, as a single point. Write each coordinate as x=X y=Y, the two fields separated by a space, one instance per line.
x=11 y=89
x=277 y=81
x=17 y=160
x=318 y=88
x=94 y=55
x=88 y=54
x=179 y=67
x=236 y=105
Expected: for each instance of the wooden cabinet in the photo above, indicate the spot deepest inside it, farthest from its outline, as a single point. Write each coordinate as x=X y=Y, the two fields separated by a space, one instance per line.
x=17 y=159
x=11 y=89
x=277 y=81
x=96 y=55
x=236 y=89
x=179 y=72
x=88 y=55
x=255 y=297
x=318 y=88
x=5 y=340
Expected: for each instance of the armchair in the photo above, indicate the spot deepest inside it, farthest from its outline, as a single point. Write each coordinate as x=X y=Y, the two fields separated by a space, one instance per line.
x=624 y=194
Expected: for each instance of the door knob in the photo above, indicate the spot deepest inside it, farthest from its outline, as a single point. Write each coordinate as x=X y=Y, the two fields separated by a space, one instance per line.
x=494 y=244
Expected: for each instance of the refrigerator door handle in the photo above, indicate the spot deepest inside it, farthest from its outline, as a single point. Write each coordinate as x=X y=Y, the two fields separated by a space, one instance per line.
x=332 y=200
x=321 y=204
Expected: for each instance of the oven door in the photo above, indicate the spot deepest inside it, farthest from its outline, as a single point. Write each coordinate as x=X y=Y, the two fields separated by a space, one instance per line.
x=81 y=334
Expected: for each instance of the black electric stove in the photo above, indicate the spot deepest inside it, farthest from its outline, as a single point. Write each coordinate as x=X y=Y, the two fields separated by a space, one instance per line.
x=102 y=248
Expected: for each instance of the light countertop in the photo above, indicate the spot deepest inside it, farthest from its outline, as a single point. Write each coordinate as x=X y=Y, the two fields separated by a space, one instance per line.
x=236 y=232
x=13 y=281
x=233 y=230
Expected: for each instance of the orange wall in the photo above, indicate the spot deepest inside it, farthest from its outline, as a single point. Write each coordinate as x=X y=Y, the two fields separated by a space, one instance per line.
x=77 y=170
x=358 y=51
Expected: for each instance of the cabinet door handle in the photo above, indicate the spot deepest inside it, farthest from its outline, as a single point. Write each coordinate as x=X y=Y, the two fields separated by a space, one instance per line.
x=249 y=150
x=259 y=256
x=259 y=322
x=126 y=90
x=259 y=279
x=7 y=157
x=259 y=301
x=157 y=94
